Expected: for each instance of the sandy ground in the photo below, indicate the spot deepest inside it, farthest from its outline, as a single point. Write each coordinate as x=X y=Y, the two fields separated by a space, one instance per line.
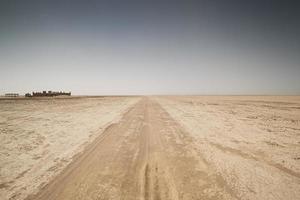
x=184 y=147
x=39 y=137
x=252 y=142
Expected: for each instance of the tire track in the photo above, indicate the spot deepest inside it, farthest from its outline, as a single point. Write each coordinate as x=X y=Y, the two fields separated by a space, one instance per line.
x=146 y=156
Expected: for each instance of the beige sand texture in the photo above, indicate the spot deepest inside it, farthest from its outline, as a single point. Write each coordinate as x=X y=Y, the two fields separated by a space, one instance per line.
x=163 y=147
x=39 y=137
x=252 y=142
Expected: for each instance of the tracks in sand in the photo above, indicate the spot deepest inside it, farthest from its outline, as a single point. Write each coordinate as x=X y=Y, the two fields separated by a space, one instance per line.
x=146 y=156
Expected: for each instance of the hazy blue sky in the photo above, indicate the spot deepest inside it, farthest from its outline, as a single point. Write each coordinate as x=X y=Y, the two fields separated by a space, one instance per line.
x=150 y=47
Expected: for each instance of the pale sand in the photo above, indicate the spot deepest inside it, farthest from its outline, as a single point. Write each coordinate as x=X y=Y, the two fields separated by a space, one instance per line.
x=185 y=147
x=39 y=137
x=252 y=142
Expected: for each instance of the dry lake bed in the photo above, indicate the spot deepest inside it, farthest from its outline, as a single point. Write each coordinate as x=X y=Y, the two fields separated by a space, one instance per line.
x=150 y=148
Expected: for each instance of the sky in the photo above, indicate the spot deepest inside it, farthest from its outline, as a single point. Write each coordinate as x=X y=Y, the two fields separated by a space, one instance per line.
x=199 y=47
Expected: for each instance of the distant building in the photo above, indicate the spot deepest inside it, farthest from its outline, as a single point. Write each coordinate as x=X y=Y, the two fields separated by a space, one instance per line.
x=47 y=94
x=11 y=95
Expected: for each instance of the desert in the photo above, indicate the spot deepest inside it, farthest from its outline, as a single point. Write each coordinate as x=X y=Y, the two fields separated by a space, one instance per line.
x=150 y=100
x=150 y=147
x=39 y=137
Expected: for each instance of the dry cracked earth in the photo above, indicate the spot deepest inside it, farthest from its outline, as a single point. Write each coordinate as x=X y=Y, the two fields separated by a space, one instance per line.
x=188 y=148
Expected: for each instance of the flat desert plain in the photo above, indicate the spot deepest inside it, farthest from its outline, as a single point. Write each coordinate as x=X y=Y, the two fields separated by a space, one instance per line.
x=151 y=148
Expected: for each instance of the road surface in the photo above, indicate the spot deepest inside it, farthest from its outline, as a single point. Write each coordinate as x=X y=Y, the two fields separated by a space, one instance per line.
x=145 y=156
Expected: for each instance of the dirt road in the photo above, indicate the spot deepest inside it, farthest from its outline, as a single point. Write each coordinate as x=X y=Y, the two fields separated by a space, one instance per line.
x=145 y=156
x=40 y=136
x=186 y=148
